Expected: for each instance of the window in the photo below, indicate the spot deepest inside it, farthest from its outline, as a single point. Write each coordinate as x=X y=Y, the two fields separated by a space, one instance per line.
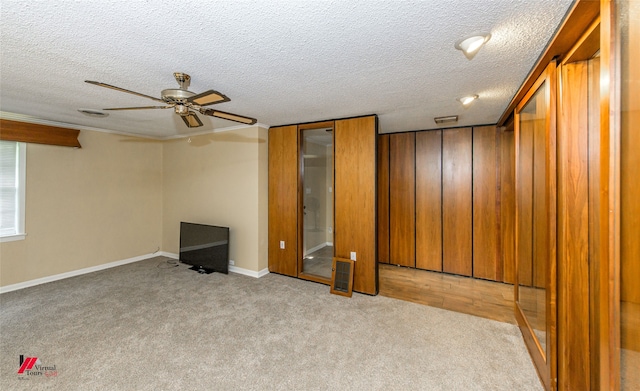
x=12 y=186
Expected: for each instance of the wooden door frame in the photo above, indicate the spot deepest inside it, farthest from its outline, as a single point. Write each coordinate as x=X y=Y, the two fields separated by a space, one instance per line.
x=301 y=128
x=546 y=364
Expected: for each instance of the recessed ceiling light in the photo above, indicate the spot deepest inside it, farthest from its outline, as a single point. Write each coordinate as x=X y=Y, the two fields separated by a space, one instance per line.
x=471 y=45
x=466 y=100
x=446 y=120
x=93 y=113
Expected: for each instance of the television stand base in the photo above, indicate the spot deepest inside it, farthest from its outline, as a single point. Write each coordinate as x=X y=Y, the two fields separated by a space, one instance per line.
x=201 y=270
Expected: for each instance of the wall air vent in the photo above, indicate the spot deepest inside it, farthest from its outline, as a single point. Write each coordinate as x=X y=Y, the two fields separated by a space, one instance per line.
x=93 y=113
x=342 y=277
x=446 y=120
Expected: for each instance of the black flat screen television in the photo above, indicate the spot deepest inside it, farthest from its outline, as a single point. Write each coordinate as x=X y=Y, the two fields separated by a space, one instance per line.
x=204 y=247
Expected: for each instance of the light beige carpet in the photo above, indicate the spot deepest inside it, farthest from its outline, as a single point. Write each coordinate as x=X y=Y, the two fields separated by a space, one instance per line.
x=147 y=326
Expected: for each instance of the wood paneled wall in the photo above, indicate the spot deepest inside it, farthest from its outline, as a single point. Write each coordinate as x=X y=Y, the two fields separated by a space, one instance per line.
x=486 y=207
x=457 y=201
x=429 y=200
x=629 y=191
x=355 y=204
x=574 y=365
x=402 y=193
x=507 y=203
x=444 y=205
x=355 y=198
x=383 y=198
x=524 y=202
x=283 y=199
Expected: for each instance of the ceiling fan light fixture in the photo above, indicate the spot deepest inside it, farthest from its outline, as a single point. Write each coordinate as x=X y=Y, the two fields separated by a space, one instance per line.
x=182 y=110
x=471 y=45
x=467 y=100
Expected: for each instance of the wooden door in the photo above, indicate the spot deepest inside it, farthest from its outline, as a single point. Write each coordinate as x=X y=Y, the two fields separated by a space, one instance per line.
x=283 y=200
x=429 y=200
x=355 y=198
x=402 y=193
x=456 y=201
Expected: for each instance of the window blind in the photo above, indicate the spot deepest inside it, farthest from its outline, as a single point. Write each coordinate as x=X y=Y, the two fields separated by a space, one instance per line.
x=9 y=188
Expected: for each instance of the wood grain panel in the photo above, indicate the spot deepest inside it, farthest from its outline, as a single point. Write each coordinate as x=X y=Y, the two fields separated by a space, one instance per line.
x=485 y=204
x=383 y=198
x=429 y=200
x=402 y=182
x=38 y=134
x=508 y=204
x=629 y=194
x=283 y=199
x=486 y=299
x=535 y=307
x=456 y=201
x=540 y=228
x=573 y=232
x=355 y=198
x=524 y=203
x=629 y=164
x=595 y=206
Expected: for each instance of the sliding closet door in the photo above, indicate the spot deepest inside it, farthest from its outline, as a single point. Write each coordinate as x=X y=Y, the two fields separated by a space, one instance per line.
x=456 y=198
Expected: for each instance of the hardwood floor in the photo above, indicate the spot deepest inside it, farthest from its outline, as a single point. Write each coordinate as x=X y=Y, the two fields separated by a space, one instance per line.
x=487 y=299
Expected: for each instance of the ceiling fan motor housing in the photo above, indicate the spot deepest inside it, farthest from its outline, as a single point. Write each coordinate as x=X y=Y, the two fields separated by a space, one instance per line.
x=179 y=98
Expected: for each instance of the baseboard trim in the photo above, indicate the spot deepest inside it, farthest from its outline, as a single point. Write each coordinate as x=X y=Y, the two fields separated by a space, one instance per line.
x=247 y=272
x=232 y=269
x=74 y=273
x=79 y=272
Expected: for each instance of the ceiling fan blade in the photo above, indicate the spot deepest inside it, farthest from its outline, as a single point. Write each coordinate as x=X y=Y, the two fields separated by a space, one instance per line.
x=191 y=120
x=122 y=89
x=139 y=108
x=208 y=98
x=229 y=116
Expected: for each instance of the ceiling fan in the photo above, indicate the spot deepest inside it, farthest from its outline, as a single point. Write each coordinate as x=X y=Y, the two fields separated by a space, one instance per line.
x=185 y=102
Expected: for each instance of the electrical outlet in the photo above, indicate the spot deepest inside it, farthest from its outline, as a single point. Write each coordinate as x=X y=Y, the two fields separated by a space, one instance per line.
x=282 y=244
x=232 y=262
x=353 y=255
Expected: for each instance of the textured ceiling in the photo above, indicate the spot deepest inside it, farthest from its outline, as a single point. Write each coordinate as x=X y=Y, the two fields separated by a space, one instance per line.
x=279 y=61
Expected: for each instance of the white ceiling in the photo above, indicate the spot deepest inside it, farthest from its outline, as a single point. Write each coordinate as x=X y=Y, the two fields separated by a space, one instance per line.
x=281 y=62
